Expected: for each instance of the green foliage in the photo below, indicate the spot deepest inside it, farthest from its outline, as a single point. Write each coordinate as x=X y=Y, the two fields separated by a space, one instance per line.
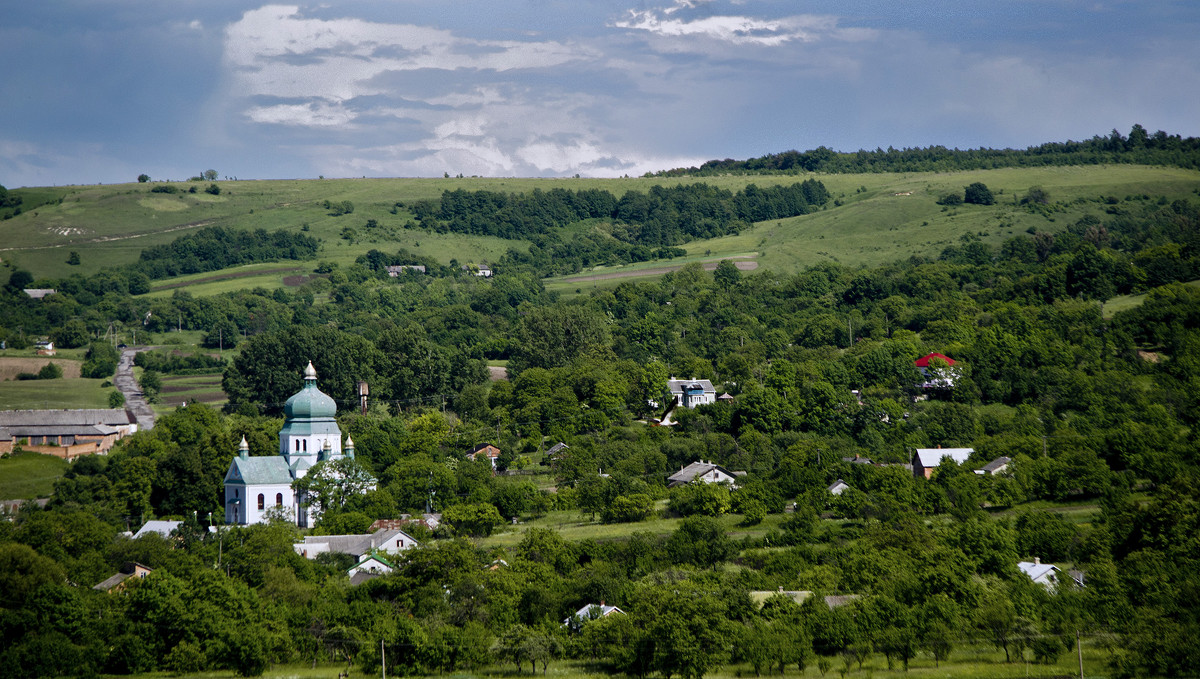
x=100 y=361
x=473 y=519
x=978 y=194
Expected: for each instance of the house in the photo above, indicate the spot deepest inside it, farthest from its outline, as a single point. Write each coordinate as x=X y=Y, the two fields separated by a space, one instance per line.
x=1048 y=575
x=838 y=487
x=557 y=451
x=39 y=293
x=707 y=472
x=46 y=349
x=66 y=434
x=591 y=612
x=857 y=459
x=116 y=582
x=163 y=528
x=935 y=378
x=310 y=434
x=387 y=541
x=395 y=271
x=925 y=460
x=691 y=393
x=725 y=398
x=372 y=565
x=492 y=453
x=995 y=466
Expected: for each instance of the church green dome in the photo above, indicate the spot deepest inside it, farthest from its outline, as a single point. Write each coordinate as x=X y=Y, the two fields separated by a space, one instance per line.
x=310 y=402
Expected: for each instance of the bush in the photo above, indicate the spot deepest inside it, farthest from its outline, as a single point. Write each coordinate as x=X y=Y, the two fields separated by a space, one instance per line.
x=213 y=189
x=628 y=508
x=950 y=199
x=100 y=361
x=978 y=194
x=164 y=188
x=50 y=371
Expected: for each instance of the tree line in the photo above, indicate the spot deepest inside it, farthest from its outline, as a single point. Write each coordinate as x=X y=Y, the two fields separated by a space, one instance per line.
x=1138 y=148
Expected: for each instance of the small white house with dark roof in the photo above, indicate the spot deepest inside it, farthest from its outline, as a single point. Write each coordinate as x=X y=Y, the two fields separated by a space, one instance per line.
x=838 y=487
x=692 y=393
x=925 y=460
x=592 y=612
x=385 y=540
x=1047 y=574
x=310 y=434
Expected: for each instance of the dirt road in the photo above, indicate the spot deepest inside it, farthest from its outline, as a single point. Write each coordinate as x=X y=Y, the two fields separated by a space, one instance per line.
x=135 y=402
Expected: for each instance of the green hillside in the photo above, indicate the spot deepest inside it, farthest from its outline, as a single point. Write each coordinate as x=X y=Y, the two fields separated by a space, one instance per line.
x=111 y=225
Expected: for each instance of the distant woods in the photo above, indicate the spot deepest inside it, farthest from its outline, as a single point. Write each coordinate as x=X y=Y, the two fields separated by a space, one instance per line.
x=1139 y=148
x=663 y=216
x=215 y=247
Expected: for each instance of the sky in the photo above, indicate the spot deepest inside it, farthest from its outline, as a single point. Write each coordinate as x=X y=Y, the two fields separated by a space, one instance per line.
x=100 y=91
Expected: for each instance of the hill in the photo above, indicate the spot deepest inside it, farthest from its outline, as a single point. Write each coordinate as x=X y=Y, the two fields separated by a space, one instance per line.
x=112 y=225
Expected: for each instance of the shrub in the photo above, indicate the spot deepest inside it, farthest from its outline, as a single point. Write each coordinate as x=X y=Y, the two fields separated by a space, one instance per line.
x=50 y=371
x=628 y=508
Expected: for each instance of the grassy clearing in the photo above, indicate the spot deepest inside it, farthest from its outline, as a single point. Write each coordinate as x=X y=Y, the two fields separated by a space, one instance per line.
x=26 y=476
x=1126 y=302
x=51 y=394
x=575 y=526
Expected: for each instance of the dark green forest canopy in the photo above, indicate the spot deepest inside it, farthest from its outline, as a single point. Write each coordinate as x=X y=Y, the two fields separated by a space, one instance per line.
x=1139 y=148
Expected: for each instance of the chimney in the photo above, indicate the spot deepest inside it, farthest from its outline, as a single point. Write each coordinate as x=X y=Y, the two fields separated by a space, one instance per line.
x=1037 y=561
x=602 y=603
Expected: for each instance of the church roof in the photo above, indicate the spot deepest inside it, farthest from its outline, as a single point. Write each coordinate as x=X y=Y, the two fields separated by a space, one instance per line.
x=310 y=402
x=259 y=470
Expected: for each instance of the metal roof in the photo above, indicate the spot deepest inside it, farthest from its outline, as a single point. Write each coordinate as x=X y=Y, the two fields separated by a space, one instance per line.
x=271 y=469
x=82 y=416
x=931 y=457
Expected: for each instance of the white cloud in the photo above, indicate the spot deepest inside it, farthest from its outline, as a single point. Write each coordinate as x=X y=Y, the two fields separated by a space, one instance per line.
x=738 y=30
x=311 y=115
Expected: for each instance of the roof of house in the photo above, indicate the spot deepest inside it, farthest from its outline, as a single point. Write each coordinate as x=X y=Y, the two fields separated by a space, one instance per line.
x=923 y=362
x=356 y=545
x=699 y=468
x=38 y=293
x=82 y=416
x=5 y=435
x=833 y=486
x=676 y=386
x=163 y=528
x=373 y=557
x=360 y=577
x=61 y=430
x=1036 y=570
x=596 y=611
x=931 y=457
x=998 y=463
x=493 y=452
x=557 y=448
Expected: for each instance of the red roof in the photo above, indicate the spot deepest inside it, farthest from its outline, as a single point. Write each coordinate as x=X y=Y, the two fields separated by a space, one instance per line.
x=923 y=362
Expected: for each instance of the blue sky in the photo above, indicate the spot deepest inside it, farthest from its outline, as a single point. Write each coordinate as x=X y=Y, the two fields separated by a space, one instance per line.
x=104 y=91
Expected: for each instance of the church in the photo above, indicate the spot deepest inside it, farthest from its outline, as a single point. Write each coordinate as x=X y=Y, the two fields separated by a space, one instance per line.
x=310 y=434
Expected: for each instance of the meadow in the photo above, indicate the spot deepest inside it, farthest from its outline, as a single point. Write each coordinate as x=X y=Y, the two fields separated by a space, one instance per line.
x=26 y=476
x=882 y=217
x=52 y=394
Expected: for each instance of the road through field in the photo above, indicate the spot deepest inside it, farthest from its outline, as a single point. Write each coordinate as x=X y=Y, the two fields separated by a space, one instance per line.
x=135 y=401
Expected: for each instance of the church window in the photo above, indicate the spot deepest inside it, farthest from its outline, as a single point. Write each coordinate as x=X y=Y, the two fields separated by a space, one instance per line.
x=278 y=499
x=261 y=501
x=297 y=445
x=305 y=444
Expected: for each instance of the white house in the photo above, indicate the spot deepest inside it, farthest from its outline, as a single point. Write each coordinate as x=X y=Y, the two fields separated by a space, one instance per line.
x=310 y=434
x=933 y=377
x=1046 y=574
x=386 y=541
x=925 y=460
x=707 y=472
x=692 y=393
x=838 y=487
x=592 y=612
x=994 y=467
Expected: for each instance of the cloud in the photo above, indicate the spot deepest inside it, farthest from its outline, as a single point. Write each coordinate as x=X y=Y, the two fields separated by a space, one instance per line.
x=694 y=19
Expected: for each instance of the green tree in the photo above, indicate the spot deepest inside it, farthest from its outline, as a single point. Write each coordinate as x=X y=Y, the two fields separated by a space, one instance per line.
x=151 y=384
x=73 y=258
x=700 y=541
x=331 y=483
x=116 y=399
x=210 y=175
x=978 y=194
x=143 y=178
x=551 y=337
x=727 y=274
x=478 y=519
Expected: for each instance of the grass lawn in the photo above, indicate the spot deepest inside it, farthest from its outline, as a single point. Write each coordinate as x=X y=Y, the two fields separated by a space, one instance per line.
x=26 y=476
x=51 y=394
x=575 y=526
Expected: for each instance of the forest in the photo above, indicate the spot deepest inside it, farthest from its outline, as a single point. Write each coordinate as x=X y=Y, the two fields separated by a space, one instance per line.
x=1096 y=412
x=1139 y=147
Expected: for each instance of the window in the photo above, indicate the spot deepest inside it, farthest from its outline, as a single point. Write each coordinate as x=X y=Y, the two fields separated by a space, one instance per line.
x=278 y=499
x=261 y=501
x=297 y=445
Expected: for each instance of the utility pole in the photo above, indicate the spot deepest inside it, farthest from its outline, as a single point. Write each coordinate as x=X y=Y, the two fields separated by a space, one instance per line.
x=382 y=661
x=1079 y=649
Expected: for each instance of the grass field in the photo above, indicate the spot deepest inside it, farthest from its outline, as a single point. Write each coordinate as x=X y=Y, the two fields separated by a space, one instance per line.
x=61 y=393
x=190 y=388
x=1127 y=302
x=11 y=366
x=111 y=224
x=27 y=476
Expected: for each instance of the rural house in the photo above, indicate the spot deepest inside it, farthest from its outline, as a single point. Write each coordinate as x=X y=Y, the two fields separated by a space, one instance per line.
x=925 y=460
x=389 y=541
x=936 y=378
x=487 y=449
x=707 y=472
x=691 y=393
x=994 y=467
x=116 y=583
